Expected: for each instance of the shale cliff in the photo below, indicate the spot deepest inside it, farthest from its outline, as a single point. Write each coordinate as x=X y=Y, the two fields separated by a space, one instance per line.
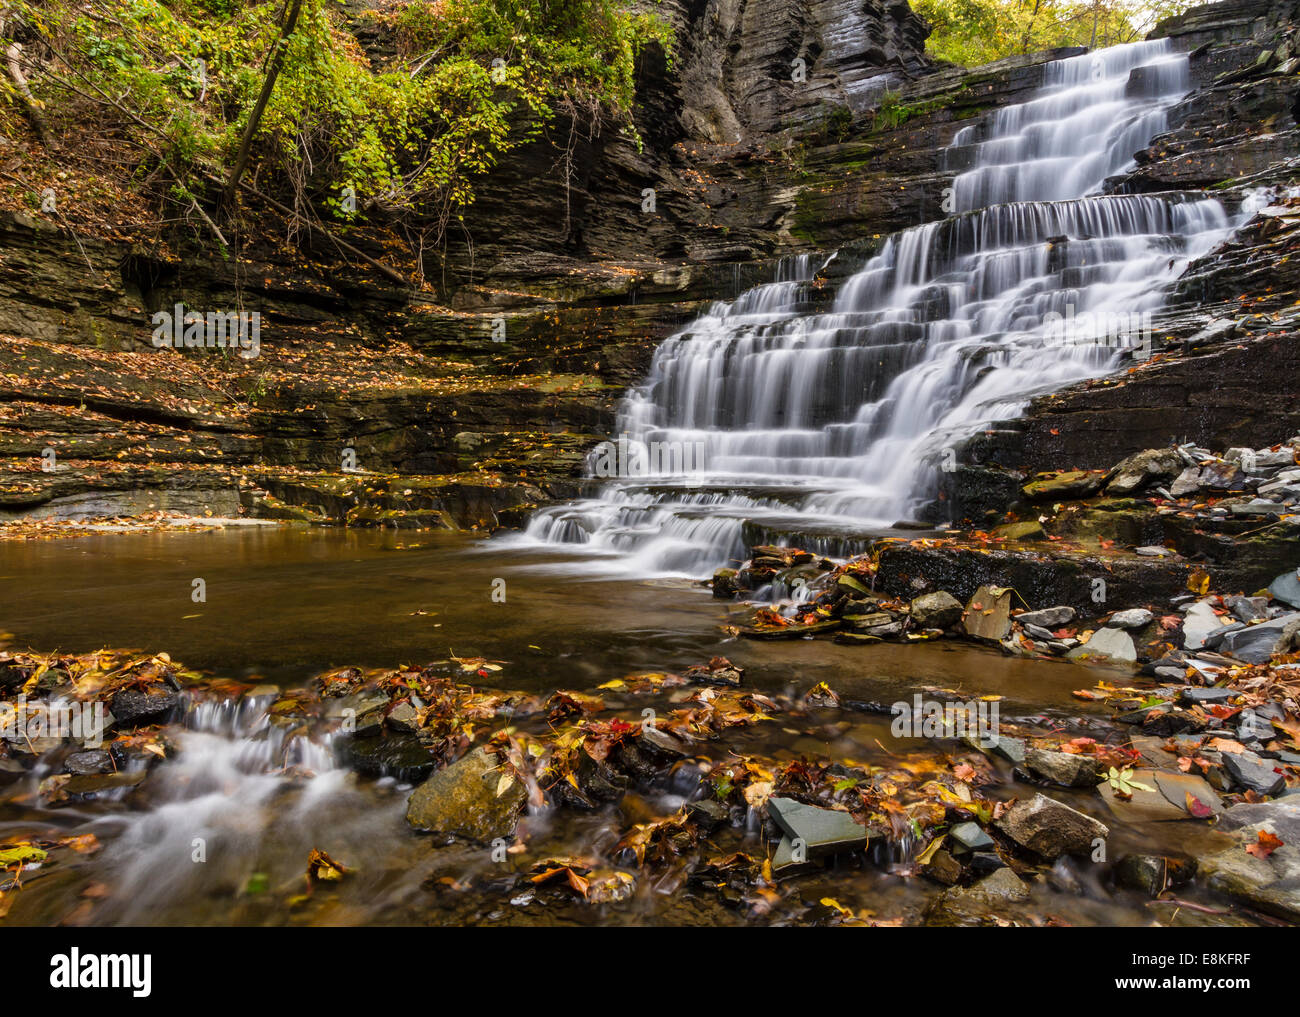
x=775 y=127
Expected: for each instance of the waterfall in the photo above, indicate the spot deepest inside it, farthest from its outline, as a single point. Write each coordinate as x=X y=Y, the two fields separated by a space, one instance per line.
x=795 y=418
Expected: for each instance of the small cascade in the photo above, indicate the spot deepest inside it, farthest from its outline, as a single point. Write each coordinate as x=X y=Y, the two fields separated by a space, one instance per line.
x=835 y=423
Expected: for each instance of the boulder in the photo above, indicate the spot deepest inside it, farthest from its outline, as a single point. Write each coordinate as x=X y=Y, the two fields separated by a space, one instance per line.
x=132 y=707
x=1142 y=469
x=473 y=798
x=1255 y=644
x=988 y=615
x=1134 y=618
x=1048 y=617
x=936 y=610
x=1270 y=884
x=1106 y=644
x=1067 y=769
x=1050 y=829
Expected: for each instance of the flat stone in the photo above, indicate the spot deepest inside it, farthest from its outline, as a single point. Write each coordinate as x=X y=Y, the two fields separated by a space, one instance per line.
x=403 y=717
x=1250 y=773
x=1069 y=484
x=1154 y=551
x=988 y=614
x=1247 y=609
x=399 y=755
x=1035 y=632
x=1109 y=644
x=462 y=799
x=1048 y=617
x=1271 y=884
x=1177 y=786
x=1255 y=644
x=1134 y=618
x=1049 y=828
x=823 y=831
x=1032 y=530
x=1206 y=696
x=91 y=761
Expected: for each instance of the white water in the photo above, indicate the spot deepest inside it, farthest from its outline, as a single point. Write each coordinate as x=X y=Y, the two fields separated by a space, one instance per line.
x=838 y=422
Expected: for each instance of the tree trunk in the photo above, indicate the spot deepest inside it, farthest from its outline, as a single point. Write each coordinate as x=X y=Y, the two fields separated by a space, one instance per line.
x=255 y=117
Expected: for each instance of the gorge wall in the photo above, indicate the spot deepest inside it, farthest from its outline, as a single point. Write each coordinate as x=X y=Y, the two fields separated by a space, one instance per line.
x=460 y=425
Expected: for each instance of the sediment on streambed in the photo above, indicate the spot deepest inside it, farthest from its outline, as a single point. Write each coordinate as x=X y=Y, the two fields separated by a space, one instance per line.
x=805 y=807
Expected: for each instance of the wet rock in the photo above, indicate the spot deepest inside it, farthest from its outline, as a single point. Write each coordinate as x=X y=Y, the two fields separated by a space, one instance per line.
x=1206 y=697
x=936 y=610
x=988 y=615
x=1108 y=644
x=725 y=585
x=978 y=904
x=91 y=761
x=708 y=813
x=1050 y=829
x=402 y=756
x=1154 y=551
x=662 y=743
x=1134 y=618
x=62 y=789
x=718 y=671
x=970 y=836
x=1010 y=749
x=1251 y=727
x=403 y=717
x=943 y=868
x=1032 y=530
x=1153 y=874
x=1067 y=485
x=1249 y=772
x=473 y=798
x=1247 y=609
x=1161 y=795
x=1142 y=469
x=1066 y=769
x=1041 y=634
x=822 y=831
x=1269 y=884
x=1255 y=644
x=1048 y=618
x=133 y=707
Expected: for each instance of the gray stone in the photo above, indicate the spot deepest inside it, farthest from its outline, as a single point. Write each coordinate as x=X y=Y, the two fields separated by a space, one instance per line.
x=1152 y=466
x=1250 y=773
x=1035 y=632
x=403 y=717
x=1049 y=828
x=1247 y=609
x=1048 y=617
x=1186 y=482
x=1010 y=749
x=1109 y=644
x=1198 y=622
x=1286 y=588
x=1252 y=727
x=1255 y=644
x=970 y=836
x=1134 y=618
x=1271 y=884
x=823 y=831
x=463 y=799
x=1205 y=696
x=1154 y=551
x=1066 y=769
x=936 y=610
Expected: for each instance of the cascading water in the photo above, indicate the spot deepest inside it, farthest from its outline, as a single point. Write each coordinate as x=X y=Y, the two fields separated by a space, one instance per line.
x=837 y=422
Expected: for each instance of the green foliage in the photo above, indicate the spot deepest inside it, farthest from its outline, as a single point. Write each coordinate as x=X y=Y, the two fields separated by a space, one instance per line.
x=971 y=32
x=475 y=79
